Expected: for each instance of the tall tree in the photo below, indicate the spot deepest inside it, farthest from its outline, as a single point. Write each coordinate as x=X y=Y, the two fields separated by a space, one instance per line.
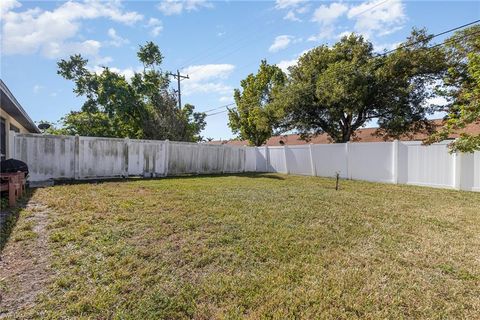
x=254 y=118
x=336 y=90
x=140 y=107
x=461 y=88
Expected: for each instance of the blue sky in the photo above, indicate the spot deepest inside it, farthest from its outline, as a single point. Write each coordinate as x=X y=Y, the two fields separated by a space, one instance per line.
x=216 y=43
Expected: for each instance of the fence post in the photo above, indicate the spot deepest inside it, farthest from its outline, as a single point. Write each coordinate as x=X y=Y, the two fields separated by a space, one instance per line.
x=312 y=164
x=395 y=161
x=125 y=157
x=223 y=158
x=285 y=147
x=267 y=159
x=347 y=160
x=457 y=170
x=166 y=155
x=256 y=156
x=244 y=158
x=76 y=157
x=199 y=150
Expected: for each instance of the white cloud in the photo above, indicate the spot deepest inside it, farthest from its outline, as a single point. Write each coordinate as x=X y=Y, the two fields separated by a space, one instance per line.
x=155 y=25
x=344 y=34
x=280 y=43
x=327 y=32
x=37 y=88
x=325 y=15
x=54 y=49
x=294 y=7
x=207 y=78
x=8 y=5
x=128 y=73
x=291 y=16
x=378 y=17
x=225 y=99
x=116 y=40
x=286 y=4
x=284 y=64
x=173 y=7
x=373 y=17
x=381 y=47
x=54 y=33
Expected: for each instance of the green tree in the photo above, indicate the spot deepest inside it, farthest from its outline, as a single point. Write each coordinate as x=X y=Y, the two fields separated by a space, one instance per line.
x=254 y=118
x=461 y=88
x=336 y=90
x=140 y=107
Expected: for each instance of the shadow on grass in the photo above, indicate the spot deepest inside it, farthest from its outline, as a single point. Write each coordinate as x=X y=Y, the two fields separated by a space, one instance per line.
x=186 y=176
x=9 y=216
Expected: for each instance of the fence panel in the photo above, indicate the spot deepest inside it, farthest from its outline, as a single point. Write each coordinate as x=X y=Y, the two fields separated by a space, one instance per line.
x=276 y=160
x=430 y=165
x=329 y=159
x=251 y=155
x=371 y=161
x=298 y=160
x=47 y=156
x=102 y=157
x=234 y=159
x=182 y=158
x=475 y=172
x=261 y=159
x=210 y=158
x=146 y=158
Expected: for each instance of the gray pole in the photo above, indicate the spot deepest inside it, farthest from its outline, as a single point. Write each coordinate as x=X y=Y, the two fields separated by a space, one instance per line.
x=179 y=78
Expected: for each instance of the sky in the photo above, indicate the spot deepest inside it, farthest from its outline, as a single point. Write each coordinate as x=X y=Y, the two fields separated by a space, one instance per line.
x=216 y=43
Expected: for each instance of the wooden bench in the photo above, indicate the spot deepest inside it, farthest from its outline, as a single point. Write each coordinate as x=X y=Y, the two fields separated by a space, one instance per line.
x=14 y=184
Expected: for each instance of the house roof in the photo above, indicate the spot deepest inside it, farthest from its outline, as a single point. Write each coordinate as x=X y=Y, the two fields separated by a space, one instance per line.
x=361 y=135
x=11 y=106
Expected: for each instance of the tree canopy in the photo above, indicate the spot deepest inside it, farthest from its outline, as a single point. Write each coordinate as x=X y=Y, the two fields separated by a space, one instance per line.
x=140 y=107
x=461 y=88
x=336 y=90
x=254 y=119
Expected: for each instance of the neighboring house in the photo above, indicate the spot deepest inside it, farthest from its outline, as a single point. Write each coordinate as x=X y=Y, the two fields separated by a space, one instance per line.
x=13 y=118
x=361 y=135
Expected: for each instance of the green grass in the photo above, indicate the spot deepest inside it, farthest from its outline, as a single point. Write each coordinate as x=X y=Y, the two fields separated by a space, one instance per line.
x=260 y=246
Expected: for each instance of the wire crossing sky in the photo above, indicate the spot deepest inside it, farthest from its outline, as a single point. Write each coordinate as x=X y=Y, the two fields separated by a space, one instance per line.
x=216 y=43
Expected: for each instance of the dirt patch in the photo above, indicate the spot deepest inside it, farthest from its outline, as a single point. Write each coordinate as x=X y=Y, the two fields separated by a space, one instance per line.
x=24 y=266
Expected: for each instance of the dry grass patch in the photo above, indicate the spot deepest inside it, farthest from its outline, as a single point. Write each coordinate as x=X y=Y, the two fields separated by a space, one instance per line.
x=260 y=246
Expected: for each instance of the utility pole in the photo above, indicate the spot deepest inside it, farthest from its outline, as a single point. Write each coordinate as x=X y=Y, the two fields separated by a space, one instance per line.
x=179 y=78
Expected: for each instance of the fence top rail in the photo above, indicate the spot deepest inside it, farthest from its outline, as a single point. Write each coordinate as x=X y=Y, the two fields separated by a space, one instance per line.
x=418 y=143
x=208 y=145
x=39 y=135
x=299 y=146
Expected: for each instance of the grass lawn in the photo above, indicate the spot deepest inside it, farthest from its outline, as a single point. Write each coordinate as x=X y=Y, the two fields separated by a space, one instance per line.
x=256 y=246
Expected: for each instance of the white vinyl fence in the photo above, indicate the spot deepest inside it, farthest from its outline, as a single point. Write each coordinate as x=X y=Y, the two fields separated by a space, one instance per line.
x=389 y=162
x=74 y=157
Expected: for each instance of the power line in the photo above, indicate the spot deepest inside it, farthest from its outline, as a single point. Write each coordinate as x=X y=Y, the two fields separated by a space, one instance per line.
x=221 y=107
x=215 y=113
x=431 y=37
x=224 y=43
x=368 y=9
x=434 y=46
x=401 y=47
